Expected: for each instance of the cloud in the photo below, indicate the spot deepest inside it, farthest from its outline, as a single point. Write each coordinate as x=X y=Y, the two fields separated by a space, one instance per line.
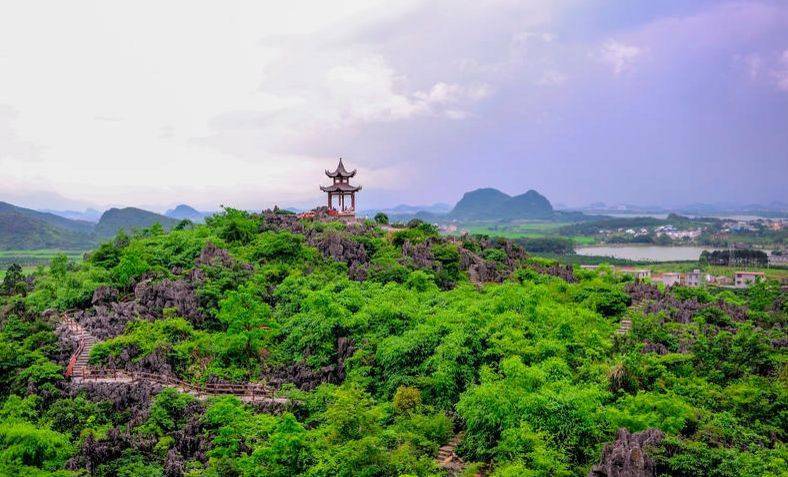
x=552 y=78
x=619 y=56
x=781 y=73
x=246 y=102
x=367 y=91
x=770 y=70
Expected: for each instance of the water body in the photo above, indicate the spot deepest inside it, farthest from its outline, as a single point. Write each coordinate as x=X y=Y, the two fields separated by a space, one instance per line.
x=651 y=253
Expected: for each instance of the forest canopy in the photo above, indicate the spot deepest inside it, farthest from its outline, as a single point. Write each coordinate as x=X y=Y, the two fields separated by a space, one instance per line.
x=386 y=345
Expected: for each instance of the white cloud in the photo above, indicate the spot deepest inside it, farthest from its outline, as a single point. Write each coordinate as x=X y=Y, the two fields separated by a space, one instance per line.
x=781 y=73
x=619 y=56
x=551 y=78
x=207 y=96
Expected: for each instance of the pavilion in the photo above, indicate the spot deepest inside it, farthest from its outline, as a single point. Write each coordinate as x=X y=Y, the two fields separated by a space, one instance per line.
x=342 y=190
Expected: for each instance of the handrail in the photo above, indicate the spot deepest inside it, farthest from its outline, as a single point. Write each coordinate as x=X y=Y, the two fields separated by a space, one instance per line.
x=90 y=373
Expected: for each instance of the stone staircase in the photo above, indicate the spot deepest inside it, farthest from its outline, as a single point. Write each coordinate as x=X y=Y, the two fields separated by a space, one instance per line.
x=81 y=373
x=624 y=327
x=448 y=460
x=78 y=364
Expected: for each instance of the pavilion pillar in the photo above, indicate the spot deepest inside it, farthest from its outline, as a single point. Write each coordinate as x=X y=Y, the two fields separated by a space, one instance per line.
x=353 y=200
x=329 y=200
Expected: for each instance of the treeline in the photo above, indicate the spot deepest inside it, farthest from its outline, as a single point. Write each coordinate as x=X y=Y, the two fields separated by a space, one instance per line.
x=547 y=245
x=737 y=257
x=594 y=227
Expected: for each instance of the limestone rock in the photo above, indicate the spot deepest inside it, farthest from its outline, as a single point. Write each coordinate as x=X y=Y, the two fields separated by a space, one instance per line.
x=627 y=456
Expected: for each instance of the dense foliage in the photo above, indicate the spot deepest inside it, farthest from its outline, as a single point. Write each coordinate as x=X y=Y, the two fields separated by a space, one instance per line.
x=387 y=344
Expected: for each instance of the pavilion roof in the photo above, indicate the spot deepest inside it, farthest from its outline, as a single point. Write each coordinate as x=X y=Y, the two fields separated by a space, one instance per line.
x=340 y=171
x=340 y=187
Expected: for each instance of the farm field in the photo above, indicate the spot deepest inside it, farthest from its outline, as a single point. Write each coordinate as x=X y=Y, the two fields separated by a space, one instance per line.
x=30 y=259
x=531 y=229
x=772 y=273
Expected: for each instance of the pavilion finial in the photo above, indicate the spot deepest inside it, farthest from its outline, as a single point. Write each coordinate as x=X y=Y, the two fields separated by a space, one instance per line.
x=340 y=171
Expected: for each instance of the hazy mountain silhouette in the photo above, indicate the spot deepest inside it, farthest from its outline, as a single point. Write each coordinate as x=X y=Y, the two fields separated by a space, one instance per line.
x=129 y=219
x=492 y=204
x=187 y=212
x=25 y=229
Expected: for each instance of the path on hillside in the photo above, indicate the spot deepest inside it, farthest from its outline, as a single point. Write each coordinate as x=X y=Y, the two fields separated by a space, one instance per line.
x=82 y=373
x=448 y=459
x=624 y=327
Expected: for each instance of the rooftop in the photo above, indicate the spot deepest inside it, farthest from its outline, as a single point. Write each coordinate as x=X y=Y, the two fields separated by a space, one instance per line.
x=340 y=187
x=340 y=171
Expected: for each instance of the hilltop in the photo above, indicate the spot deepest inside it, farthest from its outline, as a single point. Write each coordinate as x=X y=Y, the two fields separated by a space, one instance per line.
x=26 y=229
x=492 y=204
x=186 y=212
x=128 y=219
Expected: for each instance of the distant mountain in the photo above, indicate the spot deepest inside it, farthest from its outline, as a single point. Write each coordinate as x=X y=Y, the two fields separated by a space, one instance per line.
x=88 y=215
x=404 y=212
x=129 y=219
x=25 y=229
x=437 y=208
x=492 y=204
x=187 y=212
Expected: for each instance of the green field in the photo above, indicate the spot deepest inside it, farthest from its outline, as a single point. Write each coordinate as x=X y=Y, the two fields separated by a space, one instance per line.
x=530 y=229
x=771 y=272
x=30 y=259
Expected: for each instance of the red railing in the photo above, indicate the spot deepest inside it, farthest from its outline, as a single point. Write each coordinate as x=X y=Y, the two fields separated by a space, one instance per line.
x=88 y=373
x=253 y=390
x=73 y=360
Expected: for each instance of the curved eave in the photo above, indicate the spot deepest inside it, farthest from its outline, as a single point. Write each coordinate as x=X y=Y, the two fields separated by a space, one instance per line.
x=335 y=188
x=342 y=173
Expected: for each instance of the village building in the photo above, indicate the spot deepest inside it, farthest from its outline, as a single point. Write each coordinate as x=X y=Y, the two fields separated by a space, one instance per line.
x=589 y=267
x=342 y=191
x=639 y=273
x=693 y=279
x=746 y=279
x=722 y=280
x=780 y=260
x=669 y=279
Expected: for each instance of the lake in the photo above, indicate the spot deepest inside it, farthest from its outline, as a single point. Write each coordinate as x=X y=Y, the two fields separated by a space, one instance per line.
x=651 y=253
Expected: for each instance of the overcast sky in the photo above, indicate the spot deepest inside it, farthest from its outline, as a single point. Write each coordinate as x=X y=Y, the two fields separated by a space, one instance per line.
x=246 y=103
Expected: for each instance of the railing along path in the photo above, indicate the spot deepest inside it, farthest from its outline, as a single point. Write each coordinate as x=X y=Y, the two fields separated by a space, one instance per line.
x=80 y=372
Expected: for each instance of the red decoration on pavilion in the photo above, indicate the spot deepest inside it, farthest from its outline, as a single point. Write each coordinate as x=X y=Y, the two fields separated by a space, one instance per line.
x=341 y=190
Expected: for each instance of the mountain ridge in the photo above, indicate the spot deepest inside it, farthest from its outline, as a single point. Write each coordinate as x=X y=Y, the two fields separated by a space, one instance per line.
x=128 y=219
x=187 y=212
x=490 y=204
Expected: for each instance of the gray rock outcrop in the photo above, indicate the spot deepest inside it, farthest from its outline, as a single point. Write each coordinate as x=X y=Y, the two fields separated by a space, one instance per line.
x=627 y=456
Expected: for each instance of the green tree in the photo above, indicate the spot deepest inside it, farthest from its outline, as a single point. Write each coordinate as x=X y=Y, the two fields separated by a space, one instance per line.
x=381 y=218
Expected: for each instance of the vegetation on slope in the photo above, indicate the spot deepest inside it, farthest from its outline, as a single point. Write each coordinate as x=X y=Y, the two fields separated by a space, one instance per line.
x=388 y=345
x=129 y=219
x=28 y=229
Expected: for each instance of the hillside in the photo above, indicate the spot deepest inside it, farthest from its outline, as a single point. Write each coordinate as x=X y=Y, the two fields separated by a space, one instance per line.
x=27 y=229
x=79 y=226
x=492 y=204
x=129 y=219
x=379 y=351
x=185 y=212
x=87 y=215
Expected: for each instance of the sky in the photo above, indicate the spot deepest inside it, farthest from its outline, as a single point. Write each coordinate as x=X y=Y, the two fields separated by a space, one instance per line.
x=246 y=103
